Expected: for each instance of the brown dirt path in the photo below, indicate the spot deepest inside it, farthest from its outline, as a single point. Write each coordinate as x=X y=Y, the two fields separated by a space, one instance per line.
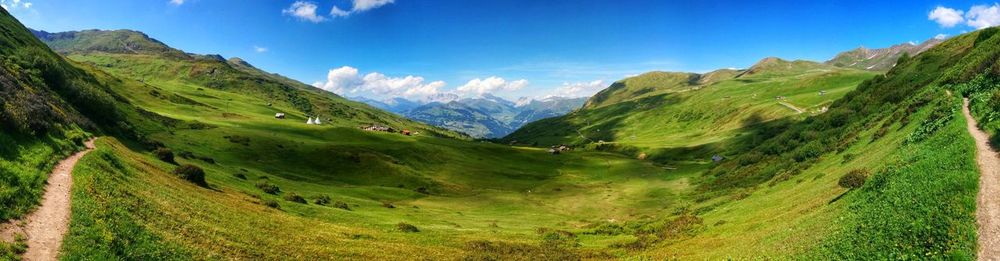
x=988 y=201
x=45 y=227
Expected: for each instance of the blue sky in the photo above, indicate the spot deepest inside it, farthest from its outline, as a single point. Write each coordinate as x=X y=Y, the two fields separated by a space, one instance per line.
x=510 y=48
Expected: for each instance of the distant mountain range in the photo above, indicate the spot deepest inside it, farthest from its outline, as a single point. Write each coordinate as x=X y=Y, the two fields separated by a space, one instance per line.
x=487 y=116
x=881 y=59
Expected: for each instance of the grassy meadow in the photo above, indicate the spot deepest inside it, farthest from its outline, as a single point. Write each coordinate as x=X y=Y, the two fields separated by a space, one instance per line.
x=699 y=118
x=192 y=164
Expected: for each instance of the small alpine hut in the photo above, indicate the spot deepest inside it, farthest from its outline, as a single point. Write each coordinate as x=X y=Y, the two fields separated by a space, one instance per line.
x=406 y=132
x=279 y=115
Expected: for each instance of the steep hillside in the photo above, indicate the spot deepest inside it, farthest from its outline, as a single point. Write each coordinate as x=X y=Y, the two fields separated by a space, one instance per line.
x=119 y=41
x=48 y=107
x=880 y=59
x=647 y=84
x=902 y=136
x=166 y=71
x=695 y=118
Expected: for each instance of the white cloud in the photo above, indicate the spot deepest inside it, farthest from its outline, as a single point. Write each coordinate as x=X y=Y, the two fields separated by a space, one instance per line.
x=341 y=80
x=490 y=85
x=946 y=17
x=347 y=80
x=578 y=89
x=359 y=6
x=259 y=49
x=983 y=16
x=365 y=5
x=337 y=12
x=177 y=2
x=941 y=36
x=12 y=5
x=305 y=11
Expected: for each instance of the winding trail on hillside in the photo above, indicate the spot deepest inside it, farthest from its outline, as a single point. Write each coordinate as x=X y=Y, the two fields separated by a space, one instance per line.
x=45 y=227
x=790 y=106
x=988 y=201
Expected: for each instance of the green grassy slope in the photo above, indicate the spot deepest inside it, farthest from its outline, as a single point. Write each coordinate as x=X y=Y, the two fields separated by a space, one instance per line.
x=46 y=105
x=430 y=197
x=466 y=198
x=133 y=55
x=696 y=116
x=904 y=130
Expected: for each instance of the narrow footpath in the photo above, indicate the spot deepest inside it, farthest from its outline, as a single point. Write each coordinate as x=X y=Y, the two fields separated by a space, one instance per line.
x=46 y=226
x=988 y=201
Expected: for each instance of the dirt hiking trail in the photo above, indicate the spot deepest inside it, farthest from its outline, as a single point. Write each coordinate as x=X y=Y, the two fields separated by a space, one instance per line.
x=45 y=227
x=988 y=201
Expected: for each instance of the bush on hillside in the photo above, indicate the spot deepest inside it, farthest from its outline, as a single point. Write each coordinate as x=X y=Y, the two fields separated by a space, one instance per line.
x=559 y=239
x=387 y=204
x=268 y=187
x=853 y=179
x=271 y=203
x=185 y=154
x=165 y=154
x=240 y=176
x=404 y=227
x=291 y=196
x=322 y=200
x=341 y=205
x=192 y=173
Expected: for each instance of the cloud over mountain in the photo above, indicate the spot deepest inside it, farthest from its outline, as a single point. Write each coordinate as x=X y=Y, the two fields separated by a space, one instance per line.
x=347 y=80
x=946 y=17
x=978 y=16
x=492 y=84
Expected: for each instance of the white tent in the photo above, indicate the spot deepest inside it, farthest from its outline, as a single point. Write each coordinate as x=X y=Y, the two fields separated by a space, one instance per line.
x=310 y=121
x=317 y=121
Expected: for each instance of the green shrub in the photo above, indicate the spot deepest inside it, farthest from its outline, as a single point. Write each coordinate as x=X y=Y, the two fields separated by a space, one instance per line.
x=341 y=205
x=559 y=239
x=268 y=187
x=404 y=227
x=192 y=173
x=165 y=154
x=322 y=200
x=387 y=204
x=186 y=154
x=240 y=176
x=293 y=197
x=13 y=251
x=271 y=203
x=853 y=179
